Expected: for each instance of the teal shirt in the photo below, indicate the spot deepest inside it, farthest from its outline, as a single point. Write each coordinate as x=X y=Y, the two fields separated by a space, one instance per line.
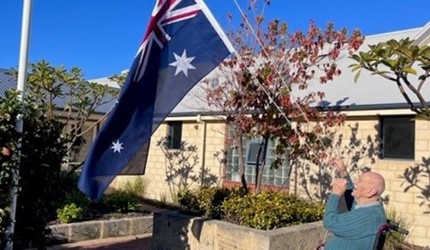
x=355 y=229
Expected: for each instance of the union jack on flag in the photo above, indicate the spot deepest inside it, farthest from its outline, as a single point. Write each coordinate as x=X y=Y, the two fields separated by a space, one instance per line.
x=182 y=44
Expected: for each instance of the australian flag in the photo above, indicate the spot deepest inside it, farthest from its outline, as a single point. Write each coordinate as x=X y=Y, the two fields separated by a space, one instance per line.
x=182 y=44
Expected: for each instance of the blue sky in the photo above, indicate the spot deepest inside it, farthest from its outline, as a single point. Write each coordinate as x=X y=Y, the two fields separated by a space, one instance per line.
x=102 y=36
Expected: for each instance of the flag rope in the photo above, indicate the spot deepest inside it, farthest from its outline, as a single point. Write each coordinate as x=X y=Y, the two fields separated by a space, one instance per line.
x=282 y=80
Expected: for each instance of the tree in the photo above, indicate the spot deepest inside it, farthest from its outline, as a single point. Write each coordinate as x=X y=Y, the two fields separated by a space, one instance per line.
x=398 y=62
x=260 y=88
x=39 y=162
x=50 y=84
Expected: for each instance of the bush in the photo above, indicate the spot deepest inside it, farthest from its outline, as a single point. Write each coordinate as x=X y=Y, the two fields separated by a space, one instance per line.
x=265 y=210
x=396 y=240
x=205 y=202
x=41 y=154
x=121 y=202
x=136 y=187
x=269 y=210
x=70 y=213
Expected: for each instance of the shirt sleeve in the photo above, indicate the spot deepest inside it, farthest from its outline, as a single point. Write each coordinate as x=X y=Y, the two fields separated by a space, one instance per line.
x=349 y=183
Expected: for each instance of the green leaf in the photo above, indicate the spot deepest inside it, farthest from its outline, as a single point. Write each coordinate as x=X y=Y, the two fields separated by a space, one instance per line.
x=355 y=67
x=357 y=76
x=390 y=63
x=410 y=71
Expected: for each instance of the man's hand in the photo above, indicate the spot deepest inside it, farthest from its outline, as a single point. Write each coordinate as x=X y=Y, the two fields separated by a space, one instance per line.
x=340 y=167
x=339 y=186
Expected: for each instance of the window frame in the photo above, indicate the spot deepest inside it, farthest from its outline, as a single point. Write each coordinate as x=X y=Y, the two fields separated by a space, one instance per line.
x=271 y=177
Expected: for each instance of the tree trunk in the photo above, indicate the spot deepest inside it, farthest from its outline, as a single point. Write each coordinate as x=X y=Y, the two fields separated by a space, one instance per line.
x=239 y=144
x=259 y=171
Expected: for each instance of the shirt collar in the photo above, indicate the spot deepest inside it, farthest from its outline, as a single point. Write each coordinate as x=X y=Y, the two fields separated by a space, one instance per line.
x=370 y=204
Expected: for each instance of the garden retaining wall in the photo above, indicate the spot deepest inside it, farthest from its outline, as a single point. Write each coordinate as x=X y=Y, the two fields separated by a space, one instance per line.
x=89 y=230
x=172 y=230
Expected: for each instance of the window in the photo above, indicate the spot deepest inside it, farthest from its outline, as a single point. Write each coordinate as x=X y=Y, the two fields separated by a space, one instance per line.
x=398 y=137
x=174 y=135
x=276 y=177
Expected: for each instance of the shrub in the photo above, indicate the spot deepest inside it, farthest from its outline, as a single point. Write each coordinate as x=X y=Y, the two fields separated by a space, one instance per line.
x=121 y=202
x=70 y=213
x=9 y=107
x=396 y=240
x=269 y=210
x=136 y=187
x=206 y=201
x=41 y=153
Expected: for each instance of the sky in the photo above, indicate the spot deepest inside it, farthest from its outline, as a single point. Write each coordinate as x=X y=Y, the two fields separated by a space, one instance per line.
x=101 y=37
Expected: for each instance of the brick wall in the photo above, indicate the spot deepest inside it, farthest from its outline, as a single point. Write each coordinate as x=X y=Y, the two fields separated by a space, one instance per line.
x=359 y=136
x=193 y=134
x=404 y=202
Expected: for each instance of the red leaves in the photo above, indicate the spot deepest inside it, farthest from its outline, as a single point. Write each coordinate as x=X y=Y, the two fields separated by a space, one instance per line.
x=5 y=151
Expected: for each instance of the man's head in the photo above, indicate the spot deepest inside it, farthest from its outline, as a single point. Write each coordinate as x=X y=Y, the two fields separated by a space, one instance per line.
x=368 y=187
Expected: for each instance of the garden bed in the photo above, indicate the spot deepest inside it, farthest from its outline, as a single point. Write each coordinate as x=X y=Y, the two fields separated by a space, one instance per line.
x=188 y=232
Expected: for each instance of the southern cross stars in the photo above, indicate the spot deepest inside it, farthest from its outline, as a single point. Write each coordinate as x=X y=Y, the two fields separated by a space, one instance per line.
x=117 y=146
x=182 y=63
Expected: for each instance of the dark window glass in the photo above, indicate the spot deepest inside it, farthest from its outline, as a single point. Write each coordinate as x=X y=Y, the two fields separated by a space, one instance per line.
x=174 y=135
x=398 y=137
x=253 y=149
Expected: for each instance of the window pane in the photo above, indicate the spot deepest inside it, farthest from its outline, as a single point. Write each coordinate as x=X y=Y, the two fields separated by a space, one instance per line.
x=253 y=149
x=398 y=137
x=174 y=135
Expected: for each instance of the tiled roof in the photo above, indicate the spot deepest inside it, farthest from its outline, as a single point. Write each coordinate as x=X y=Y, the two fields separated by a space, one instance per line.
x=6 y=81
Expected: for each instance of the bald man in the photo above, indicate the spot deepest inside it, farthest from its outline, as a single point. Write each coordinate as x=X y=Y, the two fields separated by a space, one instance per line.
x=356 y=228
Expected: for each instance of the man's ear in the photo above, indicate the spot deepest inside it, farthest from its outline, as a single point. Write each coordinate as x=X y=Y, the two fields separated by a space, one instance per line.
x=372 y=192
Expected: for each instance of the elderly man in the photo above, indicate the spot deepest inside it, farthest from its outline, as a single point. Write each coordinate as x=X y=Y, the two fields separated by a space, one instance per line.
x=357 y=228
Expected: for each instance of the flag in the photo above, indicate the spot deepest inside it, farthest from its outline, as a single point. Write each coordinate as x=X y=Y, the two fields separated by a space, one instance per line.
x=182 y=44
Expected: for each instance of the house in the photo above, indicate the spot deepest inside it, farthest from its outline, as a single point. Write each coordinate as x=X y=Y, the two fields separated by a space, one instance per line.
x=377 y=114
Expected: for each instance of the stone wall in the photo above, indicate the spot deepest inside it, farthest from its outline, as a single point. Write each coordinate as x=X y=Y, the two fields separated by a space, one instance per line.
x=89 y=230
x=185 y=232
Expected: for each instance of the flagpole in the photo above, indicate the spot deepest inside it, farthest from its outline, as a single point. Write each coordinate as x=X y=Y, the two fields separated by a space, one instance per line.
x=22 y=75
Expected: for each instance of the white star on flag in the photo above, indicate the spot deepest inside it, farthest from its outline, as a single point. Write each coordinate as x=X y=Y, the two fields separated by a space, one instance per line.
x=182 y=63
x=117 y=146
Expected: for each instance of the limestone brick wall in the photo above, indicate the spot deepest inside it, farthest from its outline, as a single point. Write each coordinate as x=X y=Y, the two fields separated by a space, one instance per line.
x=207 y=136
x=361 y=133
x=410 y=202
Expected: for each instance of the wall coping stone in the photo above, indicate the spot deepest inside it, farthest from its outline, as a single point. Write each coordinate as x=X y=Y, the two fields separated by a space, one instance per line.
x=100 y=229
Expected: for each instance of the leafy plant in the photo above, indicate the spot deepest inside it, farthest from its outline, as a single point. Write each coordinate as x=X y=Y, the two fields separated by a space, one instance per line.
x=121 y=202
x=136 y=187
x=403 y=62
x=395 y=239
x=269 y=210
x=41 y=154
x=206 y=201
x=70 y=213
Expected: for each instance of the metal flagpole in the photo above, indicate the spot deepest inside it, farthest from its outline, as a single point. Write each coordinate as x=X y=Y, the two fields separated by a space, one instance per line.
x=22 y=75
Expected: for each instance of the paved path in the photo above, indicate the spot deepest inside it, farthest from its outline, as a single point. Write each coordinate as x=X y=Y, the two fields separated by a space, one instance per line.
x=136 y=242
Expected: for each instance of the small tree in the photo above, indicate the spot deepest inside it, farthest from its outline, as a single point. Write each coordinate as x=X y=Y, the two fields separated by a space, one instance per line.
x=405 y=64
x=81 y=98
x=39 y=163
x=260 y=88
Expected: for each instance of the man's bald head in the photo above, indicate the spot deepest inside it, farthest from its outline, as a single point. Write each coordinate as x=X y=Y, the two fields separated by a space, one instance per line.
x=368 y=187
x=376 y=181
